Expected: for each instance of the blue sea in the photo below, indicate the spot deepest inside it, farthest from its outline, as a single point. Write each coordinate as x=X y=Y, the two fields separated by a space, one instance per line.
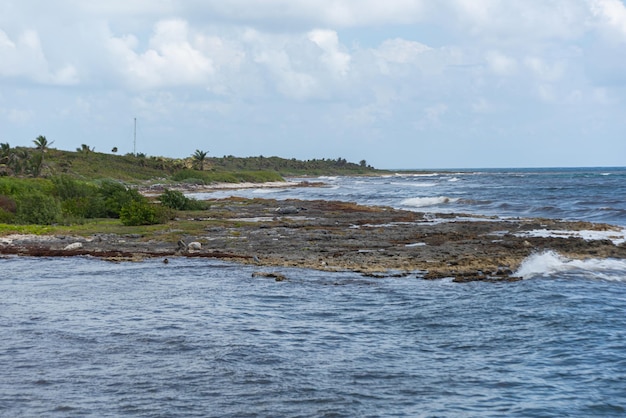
x=85 y=337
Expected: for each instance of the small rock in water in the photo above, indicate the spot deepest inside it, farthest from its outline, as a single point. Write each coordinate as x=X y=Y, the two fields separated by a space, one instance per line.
x=73 y=246
x=276 y=276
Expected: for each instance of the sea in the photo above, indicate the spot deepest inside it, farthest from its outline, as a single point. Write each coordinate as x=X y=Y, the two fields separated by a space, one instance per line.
x=82 y=337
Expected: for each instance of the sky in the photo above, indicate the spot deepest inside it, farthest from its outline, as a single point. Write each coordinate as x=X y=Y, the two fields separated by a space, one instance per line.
x=398 y=83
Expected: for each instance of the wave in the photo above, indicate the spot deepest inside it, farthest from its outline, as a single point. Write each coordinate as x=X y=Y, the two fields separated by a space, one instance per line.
x=616 y=236
x=418 y=184
x=420 y=202
x=550 y=263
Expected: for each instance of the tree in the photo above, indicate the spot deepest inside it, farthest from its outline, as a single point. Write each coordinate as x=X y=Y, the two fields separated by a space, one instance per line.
x=42 y=144
x=5 y=152
x=84 y=148
x=199 y=157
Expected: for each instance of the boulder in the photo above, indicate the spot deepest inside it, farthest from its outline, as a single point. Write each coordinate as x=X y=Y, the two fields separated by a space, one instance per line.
x=73 y=246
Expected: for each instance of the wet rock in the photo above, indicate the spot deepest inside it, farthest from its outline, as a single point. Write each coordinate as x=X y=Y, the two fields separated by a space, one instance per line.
x=276 y=276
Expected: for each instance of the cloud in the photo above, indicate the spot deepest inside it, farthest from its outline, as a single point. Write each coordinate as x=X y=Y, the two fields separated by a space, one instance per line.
x=514 y=21
x=500 y=64
x=336 y=60
x=611 y=17
x=24 y=58
x=170 y=60
x=341 y=70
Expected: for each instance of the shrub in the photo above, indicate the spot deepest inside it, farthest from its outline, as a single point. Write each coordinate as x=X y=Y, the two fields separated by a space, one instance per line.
x=176 y=200
x=116 y=196
x=143 y=213
x=8 y=204
x=79 y=199
x=36 y=207
x=173 y=199
x=84 y=207
x=6 y=217
x=189 y=176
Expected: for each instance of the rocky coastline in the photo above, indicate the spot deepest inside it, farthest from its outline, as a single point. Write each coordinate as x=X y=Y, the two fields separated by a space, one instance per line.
x=340 y=236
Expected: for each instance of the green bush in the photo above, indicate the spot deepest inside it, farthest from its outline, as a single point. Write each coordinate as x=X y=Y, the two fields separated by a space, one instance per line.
x=174 y=199
x=8 y=204
x=84 y=207
x=66 y=187
x=11 y=186
x=6 y=217
x=79 y=199
x=36 y=207
x=115 y=196
x=189 y=176
x=143 y=213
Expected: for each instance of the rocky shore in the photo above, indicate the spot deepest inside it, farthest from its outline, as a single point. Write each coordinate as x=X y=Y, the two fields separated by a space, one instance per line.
x=334 y=236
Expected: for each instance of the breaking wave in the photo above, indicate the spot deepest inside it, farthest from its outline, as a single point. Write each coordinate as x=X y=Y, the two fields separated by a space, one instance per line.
x=420 y=202
x=550 y=263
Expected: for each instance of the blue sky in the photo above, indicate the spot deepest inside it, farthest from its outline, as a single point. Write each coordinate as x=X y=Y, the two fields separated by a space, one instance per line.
x=399 y=83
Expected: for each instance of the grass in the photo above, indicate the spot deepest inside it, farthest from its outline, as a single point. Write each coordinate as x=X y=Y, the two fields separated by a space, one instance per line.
x=92 y=165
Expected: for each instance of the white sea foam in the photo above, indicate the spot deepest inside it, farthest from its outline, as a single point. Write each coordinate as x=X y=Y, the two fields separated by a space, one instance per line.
x=454 y=179
x=420 y=202
x=426 y=175
x=617 y=236
x=418 y=184
x=550 y=263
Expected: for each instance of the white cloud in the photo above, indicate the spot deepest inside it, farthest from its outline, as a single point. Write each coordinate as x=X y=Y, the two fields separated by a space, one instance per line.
x=335 y=59
x=544 y=71
x=512 y=21
x=401 y=51
x=170 y=60
x=368 y=67
x=432 y=116
x=611 y=15
x=500 y=64
x=25 y=58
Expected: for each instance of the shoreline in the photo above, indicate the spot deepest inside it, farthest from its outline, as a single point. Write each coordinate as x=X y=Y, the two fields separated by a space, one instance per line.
x=341 y=236
x=156 y=189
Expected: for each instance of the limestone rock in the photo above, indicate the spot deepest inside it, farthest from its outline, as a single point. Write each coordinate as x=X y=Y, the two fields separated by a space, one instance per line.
x=73 y=246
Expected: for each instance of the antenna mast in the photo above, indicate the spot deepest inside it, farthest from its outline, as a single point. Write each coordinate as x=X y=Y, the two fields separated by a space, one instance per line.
x=135 y=138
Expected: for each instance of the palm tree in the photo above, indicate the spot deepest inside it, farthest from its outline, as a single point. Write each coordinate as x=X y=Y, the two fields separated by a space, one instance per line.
x=5 y=152
x=84 y=148
x=41 y=143
x=199 y=157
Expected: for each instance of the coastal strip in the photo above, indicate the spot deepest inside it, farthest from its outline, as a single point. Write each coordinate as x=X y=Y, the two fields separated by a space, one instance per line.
x=341 y=236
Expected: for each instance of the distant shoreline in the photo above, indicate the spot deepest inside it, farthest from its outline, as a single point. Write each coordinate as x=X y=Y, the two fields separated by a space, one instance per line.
x=157 y=189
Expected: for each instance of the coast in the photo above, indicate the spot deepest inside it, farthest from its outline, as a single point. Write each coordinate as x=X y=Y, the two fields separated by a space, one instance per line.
x=340 y=236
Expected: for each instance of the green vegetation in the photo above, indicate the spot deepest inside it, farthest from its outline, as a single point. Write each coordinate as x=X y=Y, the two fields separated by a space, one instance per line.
x=199 y=157
x=174 y=199
x=208 y=177
x=46 y=186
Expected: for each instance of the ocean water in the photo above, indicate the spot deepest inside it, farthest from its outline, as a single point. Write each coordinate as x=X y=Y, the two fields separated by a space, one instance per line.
x=85 y=337
x=591 y=194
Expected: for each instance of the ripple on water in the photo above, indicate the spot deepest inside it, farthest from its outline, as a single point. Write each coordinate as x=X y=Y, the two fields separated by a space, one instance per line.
x=203 y=338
